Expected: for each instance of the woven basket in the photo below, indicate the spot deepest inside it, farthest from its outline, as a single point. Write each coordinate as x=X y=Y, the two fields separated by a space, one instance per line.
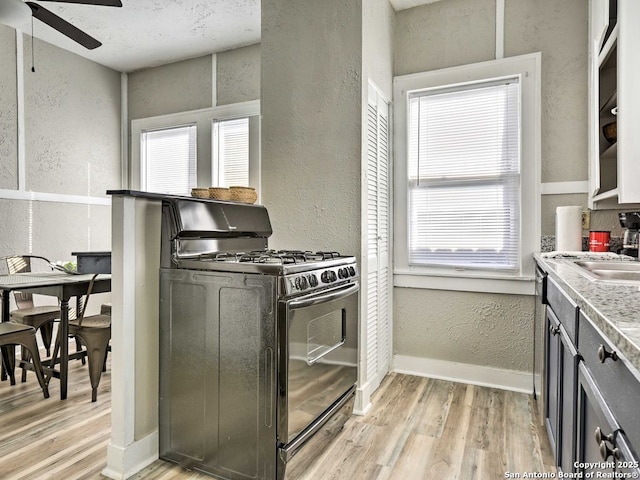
x=243 y=194
x=610 y=132
x=200 y=192
x=219 y=193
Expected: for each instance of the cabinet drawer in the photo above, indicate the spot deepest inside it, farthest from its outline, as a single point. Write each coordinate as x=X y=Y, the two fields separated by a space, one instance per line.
x=563 y=307
x=618 y=381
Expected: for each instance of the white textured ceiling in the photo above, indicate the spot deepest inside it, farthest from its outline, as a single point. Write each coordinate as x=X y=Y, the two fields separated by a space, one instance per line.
x=147 y=33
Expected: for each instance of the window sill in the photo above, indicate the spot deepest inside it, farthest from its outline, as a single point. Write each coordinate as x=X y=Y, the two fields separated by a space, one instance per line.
x=465 y=282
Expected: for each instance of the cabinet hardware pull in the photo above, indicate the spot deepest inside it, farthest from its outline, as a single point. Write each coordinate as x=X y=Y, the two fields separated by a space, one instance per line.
x=601 y=437
x=603 y=354
x=554 y=330
x=606 y=452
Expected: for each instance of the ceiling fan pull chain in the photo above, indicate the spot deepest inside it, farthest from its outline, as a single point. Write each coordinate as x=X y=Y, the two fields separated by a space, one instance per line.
x=33 y=66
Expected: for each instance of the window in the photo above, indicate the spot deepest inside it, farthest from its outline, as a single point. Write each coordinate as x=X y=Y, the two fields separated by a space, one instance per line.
x=211 y=147
x=467 y=147
x=464 y=176
x=231 y=152
x=169 y=160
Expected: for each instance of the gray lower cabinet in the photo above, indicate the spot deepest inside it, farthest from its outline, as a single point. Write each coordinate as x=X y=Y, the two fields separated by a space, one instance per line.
x=596 y=426
x=591 y=395
x=603 y=445
x=608 y=384
x=562 y=360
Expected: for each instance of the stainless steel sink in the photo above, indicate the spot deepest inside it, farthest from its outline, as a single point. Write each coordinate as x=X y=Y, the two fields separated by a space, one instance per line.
x=622 y=272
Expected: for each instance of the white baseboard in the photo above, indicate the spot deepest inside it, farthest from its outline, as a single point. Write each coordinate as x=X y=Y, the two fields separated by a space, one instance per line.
x=363 y=399
x=122 y=463
x=464 y=373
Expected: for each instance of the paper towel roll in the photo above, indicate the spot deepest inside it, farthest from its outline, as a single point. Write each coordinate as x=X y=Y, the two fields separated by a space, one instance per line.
x=569 y=229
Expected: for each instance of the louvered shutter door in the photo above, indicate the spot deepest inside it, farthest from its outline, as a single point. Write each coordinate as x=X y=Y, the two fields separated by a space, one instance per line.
x=377 y=247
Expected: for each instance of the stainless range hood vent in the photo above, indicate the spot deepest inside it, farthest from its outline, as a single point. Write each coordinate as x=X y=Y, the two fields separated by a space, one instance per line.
x=213 y=219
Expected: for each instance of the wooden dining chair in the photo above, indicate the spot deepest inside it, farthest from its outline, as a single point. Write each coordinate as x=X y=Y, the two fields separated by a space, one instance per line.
x=94 y=331
x=12 y=334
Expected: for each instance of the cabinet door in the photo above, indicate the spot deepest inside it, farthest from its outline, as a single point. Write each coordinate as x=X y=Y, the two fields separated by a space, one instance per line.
x=567 y=415
x=596 y=425
x=627 y=461
x=561 y=387
x=628 y=101
x=598 y=22
x=553 y=375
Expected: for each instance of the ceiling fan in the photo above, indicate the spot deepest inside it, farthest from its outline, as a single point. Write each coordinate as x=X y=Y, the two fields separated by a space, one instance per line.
x=17 y=13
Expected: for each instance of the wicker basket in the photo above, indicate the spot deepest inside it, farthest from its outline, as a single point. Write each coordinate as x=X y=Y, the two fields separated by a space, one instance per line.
x=610 y=132
x=219 y=193
x=243 y=194
x=200 y=192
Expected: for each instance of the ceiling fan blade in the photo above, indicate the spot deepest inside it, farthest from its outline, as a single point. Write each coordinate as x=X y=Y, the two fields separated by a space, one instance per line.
x=64 y=27
x=104 y=3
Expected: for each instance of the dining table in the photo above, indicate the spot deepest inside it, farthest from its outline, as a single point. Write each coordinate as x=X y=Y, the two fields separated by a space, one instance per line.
x=59 y=284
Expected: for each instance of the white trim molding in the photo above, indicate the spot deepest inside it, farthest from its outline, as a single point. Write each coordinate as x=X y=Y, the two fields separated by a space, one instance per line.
x=499 y=29
x=528 y=69
x=507 y=286
x=6 y=194
x=563 y=188
x=483 y=376
x=20 y=109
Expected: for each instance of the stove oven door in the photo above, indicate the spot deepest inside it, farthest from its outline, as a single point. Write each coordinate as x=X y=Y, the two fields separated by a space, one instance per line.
x=317 y=371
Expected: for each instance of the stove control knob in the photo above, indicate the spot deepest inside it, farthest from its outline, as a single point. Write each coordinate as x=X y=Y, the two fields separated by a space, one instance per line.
x=328 y=276
x=352 y=271
x=313 y=280
x=301 y=283
x=342 y=273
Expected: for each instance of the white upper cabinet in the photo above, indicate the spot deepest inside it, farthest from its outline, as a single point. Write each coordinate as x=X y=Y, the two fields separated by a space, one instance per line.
x=614 y=103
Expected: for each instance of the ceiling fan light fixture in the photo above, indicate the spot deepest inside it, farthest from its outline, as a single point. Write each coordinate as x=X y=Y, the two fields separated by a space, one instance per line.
x=15 y=13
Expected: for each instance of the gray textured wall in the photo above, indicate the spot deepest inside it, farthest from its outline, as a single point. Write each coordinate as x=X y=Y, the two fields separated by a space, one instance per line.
x=72 y=123
x=311 y=54
x=238 y=75
x=8 y=109
x=489 y=329
x=559 y=31
x=474 y=328
x=444 y=34
x=72 y=147
x=177 y=87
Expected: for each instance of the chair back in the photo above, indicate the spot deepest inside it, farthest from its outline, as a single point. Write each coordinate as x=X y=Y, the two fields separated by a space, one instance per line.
x=85 y=302
x=22 y=264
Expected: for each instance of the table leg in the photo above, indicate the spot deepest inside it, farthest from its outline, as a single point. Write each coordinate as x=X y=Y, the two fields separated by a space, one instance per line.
x=64 y=346
x=5 y=318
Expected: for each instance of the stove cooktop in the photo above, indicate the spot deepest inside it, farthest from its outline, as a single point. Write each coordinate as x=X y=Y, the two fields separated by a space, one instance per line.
x=276 y=262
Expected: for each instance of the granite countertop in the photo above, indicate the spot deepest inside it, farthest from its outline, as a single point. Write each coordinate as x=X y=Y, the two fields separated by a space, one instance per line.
x=612 y=307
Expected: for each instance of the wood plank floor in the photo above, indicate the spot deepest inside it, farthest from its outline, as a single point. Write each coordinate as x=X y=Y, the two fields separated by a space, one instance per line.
x=418 y=428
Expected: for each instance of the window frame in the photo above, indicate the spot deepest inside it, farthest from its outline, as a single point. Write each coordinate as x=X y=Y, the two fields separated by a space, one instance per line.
x=527 y=68
x=203 y=119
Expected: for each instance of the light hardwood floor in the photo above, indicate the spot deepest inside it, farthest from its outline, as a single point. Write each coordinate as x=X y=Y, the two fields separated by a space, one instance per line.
x=417 y=429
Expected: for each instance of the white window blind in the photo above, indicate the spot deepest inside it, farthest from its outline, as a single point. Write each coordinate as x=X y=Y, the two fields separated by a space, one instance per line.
x=464 y=176
x=169 y=160
x=231 y=152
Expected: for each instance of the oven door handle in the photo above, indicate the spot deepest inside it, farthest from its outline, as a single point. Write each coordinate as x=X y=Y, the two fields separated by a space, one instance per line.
x=326 y=297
